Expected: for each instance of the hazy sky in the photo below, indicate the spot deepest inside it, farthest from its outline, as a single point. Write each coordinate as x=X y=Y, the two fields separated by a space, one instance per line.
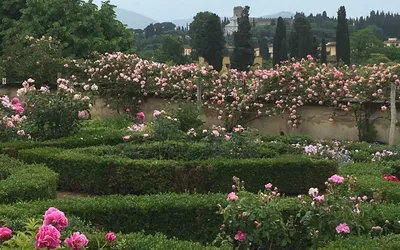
x=165 y=10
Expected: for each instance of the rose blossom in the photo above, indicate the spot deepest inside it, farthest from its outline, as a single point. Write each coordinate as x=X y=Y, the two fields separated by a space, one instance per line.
x=313 y=192
x=140 y=116
x=343 y=228
x=268 y=186
x=156 y=113
x=76 y=241
x=5 y=233
x=240 y=236
x=111 y=237
x=48 y=237
x=21 y=132
x=232 y=196
x=336 y=179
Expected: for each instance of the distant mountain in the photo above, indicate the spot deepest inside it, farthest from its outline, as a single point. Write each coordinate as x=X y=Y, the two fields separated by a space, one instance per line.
x=132 y=19
x=182 y=22
x=283 y=14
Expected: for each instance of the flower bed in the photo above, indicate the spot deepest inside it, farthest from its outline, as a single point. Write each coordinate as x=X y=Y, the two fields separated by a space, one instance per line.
x=22 y=182
x=118 y=175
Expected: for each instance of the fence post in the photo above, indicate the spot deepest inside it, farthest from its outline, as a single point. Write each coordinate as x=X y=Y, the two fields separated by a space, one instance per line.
x=393 y=113
x=199 y=82
x=4 y=81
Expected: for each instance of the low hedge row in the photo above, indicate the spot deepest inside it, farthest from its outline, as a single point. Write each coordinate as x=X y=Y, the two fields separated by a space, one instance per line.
x=370 y=180
x=390 y=242
x=22 y=182
x=108 y=174
x=85 y=138
x=185 y=216
x=188 y=151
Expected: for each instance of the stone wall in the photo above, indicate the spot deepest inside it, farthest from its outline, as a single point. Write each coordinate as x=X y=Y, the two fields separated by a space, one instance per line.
x=315 y=120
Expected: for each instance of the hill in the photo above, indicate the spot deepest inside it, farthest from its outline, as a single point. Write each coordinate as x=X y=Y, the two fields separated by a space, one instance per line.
x=133 y=19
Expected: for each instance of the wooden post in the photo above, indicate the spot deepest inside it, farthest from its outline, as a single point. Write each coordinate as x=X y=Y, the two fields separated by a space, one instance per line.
x=393 y=113
x=199 y=103
x=4 y=81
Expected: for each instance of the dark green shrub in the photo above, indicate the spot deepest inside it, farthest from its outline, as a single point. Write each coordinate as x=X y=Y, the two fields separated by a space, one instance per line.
x=188 y=116
x=390 y=242
x=21 y=182
x=109 y=174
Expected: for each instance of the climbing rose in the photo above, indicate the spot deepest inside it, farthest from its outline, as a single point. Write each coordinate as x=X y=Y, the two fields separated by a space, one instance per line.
x=240 y=236
x=268 y=186
x=48 y=237
x=232 y=196
x=5 y=233
x=76 y=241
x=343 y=228
x=111 y=237
x=56 y=218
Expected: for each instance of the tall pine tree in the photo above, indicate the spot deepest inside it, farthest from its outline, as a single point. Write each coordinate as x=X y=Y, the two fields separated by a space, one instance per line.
x=342 y=38
x=323 y=51
x=280 y=42
x=243 y=54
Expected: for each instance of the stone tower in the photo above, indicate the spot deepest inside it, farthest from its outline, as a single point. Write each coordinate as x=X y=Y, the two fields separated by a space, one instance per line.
x=237 y=11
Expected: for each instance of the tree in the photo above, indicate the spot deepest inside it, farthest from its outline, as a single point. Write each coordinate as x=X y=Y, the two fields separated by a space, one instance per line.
x=198 y=32
x=301 y=38
x=264 y=49
x=323 y=51
x=171 y=50
x=215 y=42
x=280 y=42
x=243 y=53
x=342 y=38
x=363 y=44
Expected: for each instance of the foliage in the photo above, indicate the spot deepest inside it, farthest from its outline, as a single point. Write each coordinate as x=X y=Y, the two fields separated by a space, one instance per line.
x=171 y=50
x=22 y=182
x=301 y=38
x=254 y=221
x=280 y=43
x=37 y=58
x=363 y=43
x=323 y=51
x=243 y=53
x=66 y=21
x=188 y=115
x=55 y=115
x=342 y=38
x=165 y=127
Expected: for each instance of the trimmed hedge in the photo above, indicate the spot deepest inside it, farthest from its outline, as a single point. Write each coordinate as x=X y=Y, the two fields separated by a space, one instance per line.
x=185 y=216
x=370 y=181
x=85 y=138
x=189 y=151
x=390 y=242
x=21 y=182
x=293 y=174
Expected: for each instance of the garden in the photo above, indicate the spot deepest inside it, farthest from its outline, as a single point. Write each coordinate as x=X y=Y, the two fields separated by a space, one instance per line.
x=166 y=180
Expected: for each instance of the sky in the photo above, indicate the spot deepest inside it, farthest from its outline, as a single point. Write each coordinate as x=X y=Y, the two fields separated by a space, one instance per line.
x=167 y=10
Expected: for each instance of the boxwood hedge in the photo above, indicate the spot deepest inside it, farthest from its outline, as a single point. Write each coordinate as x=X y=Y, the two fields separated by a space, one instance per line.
x=109 y=174
x=22 y=182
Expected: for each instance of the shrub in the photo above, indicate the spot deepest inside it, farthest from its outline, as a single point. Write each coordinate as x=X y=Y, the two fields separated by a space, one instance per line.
x=390 y=242
x=188 y=116
x=112 y=174
x=21 y=182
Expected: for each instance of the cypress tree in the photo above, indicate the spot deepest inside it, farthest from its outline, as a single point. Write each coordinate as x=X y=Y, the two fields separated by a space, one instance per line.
x=215 y=42
x=264 y=49
x=280 y=45
x=342 y=38
x=243 y=54
x=301 y=38
x=323 y=51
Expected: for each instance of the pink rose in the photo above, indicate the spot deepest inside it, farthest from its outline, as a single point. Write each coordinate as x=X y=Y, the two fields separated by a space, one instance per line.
x=76 y=241
x=48 y=237
x=5 y=233
x=15 y=100
x=156 y=113
x=126 y=138
x=232 y=196
x=268 y=186
x=140 y=116
x=240 y=236
x=111 y=237
x=21 y=132
x=56 y=218
x=342 y=228
x=320 y=198
x=336 y=179
x=384 y=108
x=81 y=114
x=215 y=133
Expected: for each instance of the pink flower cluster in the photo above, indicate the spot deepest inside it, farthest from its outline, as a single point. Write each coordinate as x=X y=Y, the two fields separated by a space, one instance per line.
x=5 y=233
x=343 y=228
x=336 y=179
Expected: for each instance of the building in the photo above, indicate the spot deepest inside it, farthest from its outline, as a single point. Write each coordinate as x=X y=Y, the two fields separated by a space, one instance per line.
x=392 y=42
x=331 y=49
x=187 y=50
